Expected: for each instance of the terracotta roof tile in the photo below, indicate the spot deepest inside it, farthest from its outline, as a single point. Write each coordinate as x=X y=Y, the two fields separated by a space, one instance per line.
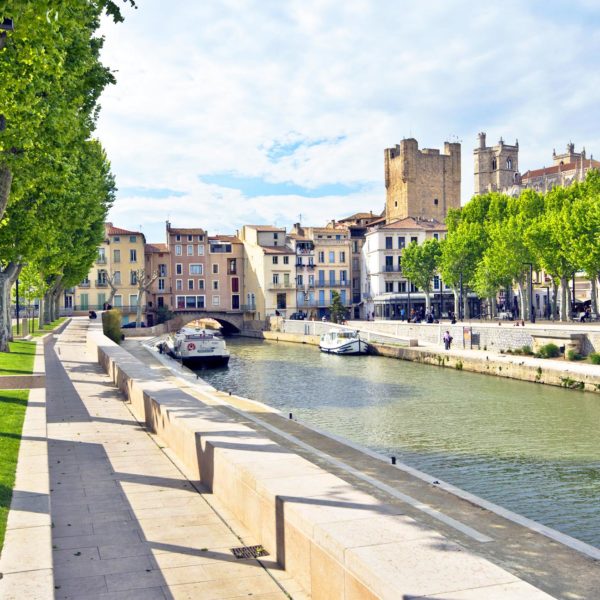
x=112 y=230
x=156 y=248
x=587 y=163
x=410 y=223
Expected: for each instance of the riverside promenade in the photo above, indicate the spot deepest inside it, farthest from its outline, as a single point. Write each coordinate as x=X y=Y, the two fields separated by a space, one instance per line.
x=127 y=523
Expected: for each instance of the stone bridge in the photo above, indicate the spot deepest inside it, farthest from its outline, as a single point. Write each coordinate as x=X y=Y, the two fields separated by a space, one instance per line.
x=232 y=322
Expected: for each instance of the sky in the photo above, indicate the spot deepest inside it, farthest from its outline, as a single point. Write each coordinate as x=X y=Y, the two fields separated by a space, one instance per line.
x=233 y=112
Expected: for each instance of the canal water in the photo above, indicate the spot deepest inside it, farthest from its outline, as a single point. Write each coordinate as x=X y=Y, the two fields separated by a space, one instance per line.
x=531 y=448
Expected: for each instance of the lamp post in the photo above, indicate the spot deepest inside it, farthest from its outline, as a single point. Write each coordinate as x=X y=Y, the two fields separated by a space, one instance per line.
x=549 y=311
x=408 y=311
x=460 y=302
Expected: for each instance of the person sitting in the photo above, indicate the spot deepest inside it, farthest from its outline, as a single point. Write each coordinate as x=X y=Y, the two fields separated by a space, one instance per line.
x=92 y=314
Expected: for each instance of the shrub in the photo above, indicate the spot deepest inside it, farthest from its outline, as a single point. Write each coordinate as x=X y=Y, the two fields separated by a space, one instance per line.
x=111 y=324
x=549 y=351
x=595 y=358
x=527 y=351
x=573 y=355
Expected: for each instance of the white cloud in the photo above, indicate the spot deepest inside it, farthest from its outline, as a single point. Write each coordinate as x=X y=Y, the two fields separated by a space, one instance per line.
x=211 y=87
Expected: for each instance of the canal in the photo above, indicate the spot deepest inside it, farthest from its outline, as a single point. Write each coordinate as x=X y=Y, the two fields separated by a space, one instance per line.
x=531 y=448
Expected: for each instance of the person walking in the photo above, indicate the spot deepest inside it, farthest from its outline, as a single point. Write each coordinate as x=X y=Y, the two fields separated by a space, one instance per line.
x=447 y=340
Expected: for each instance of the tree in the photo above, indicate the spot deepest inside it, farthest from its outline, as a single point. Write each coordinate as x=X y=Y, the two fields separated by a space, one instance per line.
x=419 y=265
x=337 y=310
x=144 y=282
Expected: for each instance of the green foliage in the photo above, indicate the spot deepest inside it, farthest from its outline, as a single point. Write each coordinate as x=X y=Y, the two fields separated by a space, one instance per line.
x=594 y=358
x=549 y=351
x=337 y=310
x=573 y=355
x=163 y=314
x=111 y=325
x=527 y=351
x=420 y=263
x=20 y=359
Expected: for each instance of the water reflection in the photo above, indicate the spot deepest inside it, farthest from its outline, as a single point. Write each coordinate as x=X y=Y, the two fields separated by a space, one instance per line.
x=531 y=448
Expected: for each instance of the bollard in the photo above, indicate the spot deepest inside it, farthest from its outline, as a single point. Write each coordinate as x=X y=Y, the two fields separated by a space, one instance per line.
x=291 y=415
x=393 y=460
x=230 y=393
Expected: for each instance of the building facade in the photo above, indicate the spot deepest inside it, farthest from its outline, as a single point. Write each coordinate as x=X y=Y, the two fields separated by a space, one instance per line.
x=120 y=257
x=421 y=183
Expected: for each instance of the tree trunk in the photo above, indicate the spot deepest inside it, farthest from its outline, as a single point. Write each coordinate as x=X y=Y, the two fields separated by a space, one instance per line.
x=456 y=293
x=138 y=315
x=6 y=280
x=5 y=183
x=427 y=302
x=564 y=296
x=493 y=307
x=554 y=303
x=521 y=299
x=466 y=313
x=56 y=305
x=594 y=296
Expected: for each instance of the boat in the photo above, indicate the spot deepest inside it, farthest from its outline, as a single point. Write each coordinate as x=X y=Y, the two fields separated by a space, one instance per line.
x=196 y=347
x=338 y=341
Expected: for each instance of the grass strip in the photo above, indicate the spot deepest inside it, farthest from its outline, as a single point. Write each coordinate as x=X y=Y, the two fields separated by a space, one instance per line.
x=12 y=412
x=49 y=327
x=19 y=361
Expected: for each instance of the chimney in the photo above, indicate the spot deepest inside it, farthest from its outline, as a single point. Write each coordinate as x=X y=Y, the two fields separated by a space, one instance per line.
x=482 y=140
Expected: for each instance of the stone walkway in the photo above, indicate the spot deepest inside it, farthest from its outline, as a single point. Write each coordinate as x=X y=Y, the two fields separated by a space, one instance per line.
x=126 y=522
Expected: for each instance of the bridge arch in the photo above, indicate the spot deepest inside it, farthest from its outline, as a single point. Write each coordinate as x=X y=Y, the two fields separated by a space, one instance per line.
x=230 y=322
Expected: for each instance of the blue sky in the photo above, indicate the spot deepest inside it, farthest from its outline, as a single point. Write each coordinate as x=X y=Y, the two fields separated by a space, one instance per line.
x=228 y=112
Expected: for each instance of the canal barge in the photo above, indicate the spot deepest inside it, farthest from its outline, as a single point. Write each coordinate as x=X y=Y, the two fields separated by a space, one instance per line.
x=197 y=347
x=337 y=341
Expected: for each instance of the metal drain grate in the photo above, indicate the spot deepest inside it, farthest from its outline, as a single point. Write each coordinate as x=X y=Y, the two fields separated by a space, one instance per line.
x=249 y=552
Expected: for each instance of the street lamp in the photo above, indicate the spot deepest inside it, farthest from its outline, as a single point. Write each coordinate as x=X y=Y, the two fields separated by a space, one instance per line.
x=460 y=302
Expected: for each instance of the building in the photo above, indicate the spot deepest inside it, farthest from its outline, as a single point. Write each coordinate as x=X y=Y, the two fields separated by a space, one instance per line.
x=113 y=277
x=323 y=256
x=188 y=268
x=385 y=289
x=226 y=272
x=269 y=272
x=158 y=300
x=421 y=183
x=496 y=169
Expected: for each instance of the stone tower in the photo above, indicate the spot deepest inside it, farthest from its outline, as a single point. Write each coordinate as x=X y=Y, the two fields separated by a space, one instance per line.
x=421 y=183
x=496 y=167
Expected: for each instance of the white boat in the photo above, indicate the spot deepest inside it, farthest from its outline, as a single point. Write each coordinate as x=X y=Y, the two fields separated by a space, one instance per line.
x=337 y=341
x=197 y=347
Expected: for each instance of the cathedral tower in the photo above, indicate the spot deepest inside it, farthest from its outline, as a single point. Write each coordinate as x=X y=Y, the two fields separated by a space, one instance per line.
x=496 y=167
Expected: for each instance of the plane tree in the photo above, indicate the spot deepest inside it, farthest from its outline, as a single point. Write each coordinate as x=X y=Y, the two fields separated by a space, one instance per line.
x=420 y=264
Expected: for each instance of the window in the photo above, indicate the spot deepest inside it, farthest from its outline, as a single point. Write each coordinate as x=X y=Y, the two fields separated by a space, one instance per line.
x=275 y=260
x=161 y=284
x=389 y=263
x=435 y=201
x=321 y=277
x=343 y=278
x=217 y=247
x=231 y=266
x=133 y=300
x=118 y=300
x=414 y=239
x=235 y=302
x=215 y=285
x=509 y=163
x=133 y=277
x=321 y=257
x=331 y=256
x=331 y=277
x=179 y=284
x=162 y=270
x=388 y=242
x=275 y=236
x=117 y=277
x=200 y=238
x=200 y=301
x=101 y=255
x=436 y=282
x=342 y=257
x=178 y=269
x=133 y=239
x=116 y=239
x=190 y=284
x=286 y=260
x=494 y=164
x=235 y=284
x=200 y=284
x=177 y=238
x=216 y=300
x=116 y=256
x=401 y=243
x=300 y=280
x=133 y=255
x=355 y=246
x=190 y=250
x=355 y=264
x=215 y=269
x=196 y=269
x=275 y=278
x=200 y=249
x=389 y=286
x=190 y=238
x=178 y=250
x=436 y=236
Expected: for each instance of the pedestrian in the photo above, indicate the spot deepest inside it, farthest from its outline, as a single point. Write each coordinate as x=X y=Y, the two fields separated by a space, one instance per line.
x=447 y=340
x=402 y=314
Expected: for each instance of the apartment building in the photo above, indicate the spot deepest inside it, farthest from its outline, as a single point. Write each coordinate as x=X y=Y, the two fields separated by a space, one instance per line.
x=158 y=261
x=188 y=268
x=225 y=263
x=269 y=272
x=120 y=256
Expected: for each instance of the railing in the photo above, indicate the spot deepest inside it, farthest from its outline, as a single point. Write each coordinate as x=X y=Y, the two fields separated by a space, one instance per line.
x=248 y=307
x=84 y=284
x=101 y=284
x=101 y=260
x=282 y=286
x=305 y=266
x=307 y=304
x=339 y=283
x=391 y=269
x=305 y=252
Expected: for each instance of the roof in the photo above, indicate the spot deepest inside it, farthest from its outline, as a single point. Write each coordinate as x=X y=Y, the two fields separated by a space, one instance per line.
x=188 y=231
x=112 y=230
x=588 y=163
x=265 y=228
x=359 y=215
x=277 y=250
x=410 y=223
x=155 y=248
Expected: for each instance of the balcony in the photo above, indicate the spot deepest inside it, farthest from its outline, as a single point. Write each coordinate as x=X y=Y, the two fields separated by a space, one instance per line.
x=282 y=286
x=391 y=269
x=305 y=266
x=307 y=304
x=84 y=284
x=101 y=260
x=248 y=307
x=101 y=284
x=305 y=252
x=327 y=284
